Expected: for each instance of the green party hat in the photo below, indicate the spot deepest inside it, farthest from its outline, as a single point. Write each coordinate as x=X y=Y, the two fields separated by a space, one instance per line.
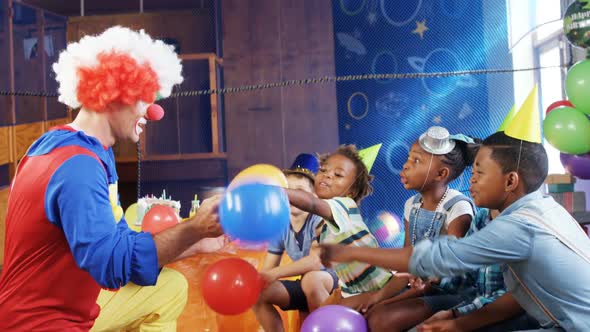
x=369 y=155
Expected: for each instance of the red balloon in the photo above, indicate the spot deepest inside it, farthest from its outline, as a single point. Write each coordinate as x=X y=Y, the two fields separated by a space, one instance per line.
x=560 y=103
x=159 y=218
x=231 y=286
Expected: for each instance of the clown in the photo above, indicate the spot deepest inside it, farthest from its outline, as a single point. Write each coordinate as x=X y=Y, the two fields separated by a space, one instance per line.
x=64 y=241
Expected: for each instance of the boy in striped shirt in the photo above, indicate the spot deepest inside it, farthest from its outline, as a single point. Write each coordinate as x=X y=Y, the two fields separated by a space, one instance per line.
x=342 y=182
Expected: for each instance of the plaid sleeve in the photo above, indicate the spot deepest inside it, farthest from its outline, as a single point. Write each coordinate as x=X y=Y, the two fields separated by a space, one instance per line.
x=478 y=303
x=458 y=284
x=490 y=285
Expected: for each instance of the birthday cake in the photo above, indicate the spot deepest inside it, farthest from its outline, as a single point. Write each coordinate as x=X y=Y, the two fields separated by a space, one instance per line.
x=145 y=204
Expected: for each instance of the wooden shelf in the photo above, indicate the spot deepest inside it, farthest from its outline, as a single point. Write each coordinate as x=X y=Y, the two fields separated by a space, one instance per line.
x=186 y=156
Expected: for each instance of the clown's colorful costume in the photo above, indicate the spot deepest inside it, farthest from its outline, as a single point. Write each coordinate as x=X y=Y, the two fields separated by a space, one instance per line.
x=63 y=242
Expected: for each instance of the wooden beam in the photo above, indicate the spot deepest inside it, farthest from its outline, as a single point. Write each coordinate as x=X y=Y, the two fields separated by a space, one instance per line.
x=164 y=157
x=214 y=105
x=5 y=148
x=174 y=170
x=197 y=56
x=41 y=45
x=13 y=154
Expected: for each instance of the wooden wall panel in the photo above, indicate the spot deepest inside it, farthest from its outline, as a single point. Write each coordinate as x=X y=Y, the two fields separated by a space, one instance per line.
x=4 y=145
x=28 y=64
x=253 y=120
x=310 y=111
x=26 y=134
x=193 y=29
x=271 y=41
x=55 y=30
x=55 y=122
x=5 y=74
x=3 y=206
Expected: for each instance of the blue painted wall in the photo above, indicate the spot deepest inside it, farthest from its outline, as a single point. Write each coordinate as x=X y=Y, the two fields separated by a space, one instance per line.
x=417 y=36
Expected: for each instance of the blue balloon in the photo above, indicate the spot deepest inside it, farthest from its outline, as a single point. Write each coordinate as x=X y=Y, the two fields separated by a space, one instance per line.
x=255 y=212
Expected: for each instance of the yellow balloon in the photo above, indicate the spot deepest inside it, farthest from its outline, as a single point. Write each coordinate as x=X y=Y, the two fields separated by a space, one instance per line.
x=260 y=173
x=131 y=217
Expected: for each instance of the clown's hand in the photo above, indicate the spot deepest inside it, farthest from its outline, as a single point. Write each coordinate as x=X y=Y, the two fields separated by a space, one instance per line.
x=206 y=220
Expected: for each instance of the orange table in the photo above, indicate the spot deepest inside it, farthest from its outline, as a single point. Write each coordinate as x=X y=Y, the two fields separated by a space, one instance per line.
x=197 y=316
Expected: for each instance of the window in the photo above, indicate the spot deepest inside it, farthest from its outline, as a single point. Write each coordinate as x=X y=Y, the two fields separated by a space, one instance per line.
x=536 y=37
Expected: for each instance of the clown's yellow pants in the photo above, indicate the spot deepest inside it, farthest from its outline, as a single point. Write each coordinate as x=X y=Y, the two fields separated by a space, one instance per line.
x=145 y=309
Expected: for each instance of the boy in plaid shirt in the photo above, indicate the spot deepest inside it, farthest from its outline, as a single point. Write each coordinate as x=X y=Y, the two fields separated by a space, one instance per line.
x=489 y=284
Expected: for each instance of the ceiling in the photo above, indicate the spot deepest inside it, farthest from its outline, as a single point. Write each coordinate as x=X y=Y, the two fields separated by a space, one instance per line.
x=98 y=7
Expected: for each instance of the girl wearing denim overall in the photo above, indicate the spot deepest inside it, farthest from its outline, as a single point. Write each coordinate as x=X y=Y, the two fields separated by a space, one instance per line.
x=435 y=160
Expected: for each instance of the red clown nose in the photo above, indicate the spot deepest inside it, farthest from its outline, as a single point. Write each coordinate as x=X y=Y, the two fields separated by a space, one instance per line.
x=155 y=112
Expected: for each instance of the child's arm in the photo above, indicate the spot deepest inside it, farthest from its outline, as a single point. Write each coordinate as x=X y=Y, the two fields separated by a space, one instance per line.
x=391 y=259
x=392 y=291
x=308 y=202
x=505 y=307
x=459 y=226
x=271 y=261
x=306 y=264
x=407 y=242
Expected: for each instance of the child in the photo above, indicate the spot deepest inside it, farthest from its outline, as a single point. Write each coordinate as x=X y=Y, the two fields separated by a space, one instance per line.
x=434 y=160
x=490 y=288
x=308 y=292
x=342 y=182
x=543 y=247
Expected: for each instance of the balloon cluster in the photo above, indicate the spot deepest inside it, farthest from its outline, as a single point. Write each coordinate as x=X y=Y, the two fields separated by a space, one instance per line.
x=566 y=125
x=254 y=209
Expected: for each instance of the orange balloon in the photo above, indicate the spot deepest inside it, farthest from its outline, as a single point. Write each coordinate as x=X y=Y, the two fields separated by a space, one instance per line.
x=260 y=173
x=159 y=218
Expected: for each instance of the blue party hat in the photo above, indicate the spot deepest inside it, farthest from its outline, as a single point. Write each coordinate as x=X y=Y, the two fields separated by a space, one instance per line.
x=306 y=164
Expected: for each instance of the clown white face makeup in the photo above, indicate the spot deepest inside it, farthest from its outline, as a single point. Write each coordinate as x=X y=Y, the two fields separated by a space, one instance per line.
x=127 y=122
x=140 y=123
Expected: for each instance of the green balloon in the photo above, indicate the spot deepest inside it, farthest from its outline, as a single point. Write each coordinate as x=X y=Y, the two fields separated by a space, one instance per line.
x=577 y=86
x=576 y=23
x=568 y=130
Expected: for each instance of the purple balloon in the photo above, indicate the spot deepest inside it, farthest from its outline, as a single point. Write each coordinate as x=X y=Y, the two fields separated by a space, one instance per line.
x=577 y=165
x=334 y=318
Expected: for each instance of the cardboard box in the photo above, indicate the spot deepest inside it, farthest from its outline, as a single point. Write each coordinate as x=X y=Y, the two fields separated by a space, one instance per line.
x=560 y=178
x=571 y=201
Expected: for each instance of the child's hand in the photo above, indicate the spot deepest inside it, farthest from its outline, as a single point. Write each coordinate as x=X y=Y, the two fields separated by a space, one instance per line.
x=440 y=326
x=372 y=299
x=207 y=218
x=441 y=315
x=267 y=278
x=422 y=285
x=417 y=283
x=332 y=253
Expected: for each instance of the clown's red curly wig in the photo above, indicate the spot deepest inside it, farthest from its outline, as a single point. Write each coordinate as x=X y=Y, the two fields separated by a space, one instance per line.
x=116 y=78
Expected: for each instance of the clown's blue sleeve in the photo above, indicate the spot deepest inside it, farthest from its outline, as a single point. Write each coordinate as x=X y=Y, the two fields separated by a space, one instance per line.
x=77 y=201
